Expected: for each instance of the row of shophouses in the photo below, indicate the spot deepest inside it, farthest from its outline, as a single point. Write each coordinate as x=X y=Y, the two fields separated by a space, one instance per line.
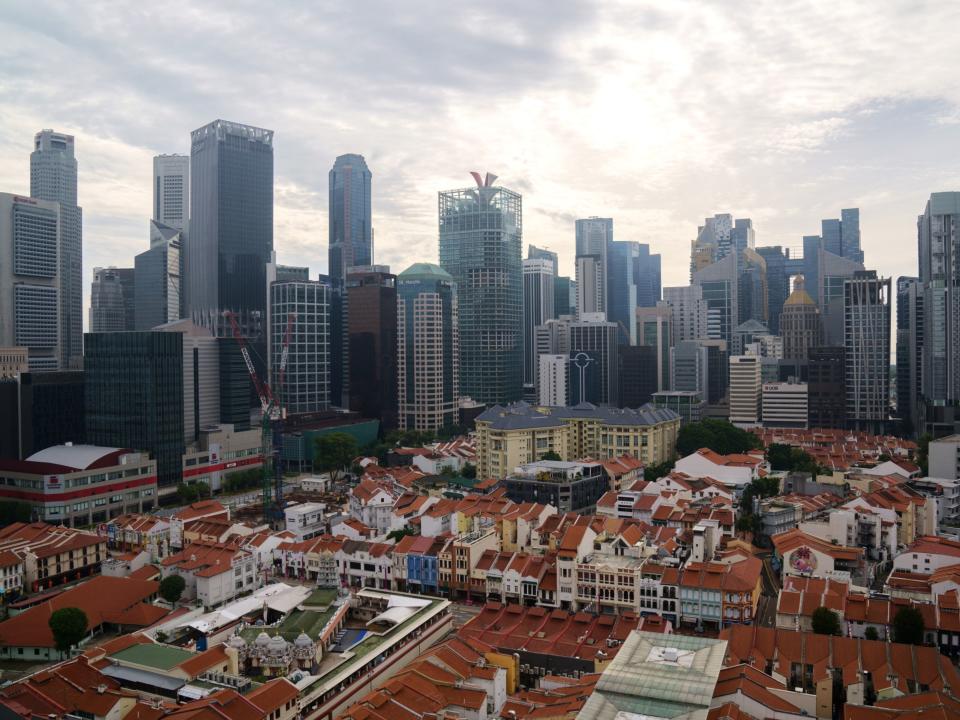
x=592 y=563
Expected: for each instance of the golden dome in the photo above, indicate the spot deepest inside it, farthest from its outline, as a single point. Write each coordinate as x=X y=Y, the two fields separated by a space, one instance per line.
x=799 y=296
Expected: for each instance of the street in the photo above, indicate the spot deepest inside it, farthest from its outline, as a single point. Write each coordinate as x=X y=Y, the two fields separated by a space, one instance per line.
x=462 y=613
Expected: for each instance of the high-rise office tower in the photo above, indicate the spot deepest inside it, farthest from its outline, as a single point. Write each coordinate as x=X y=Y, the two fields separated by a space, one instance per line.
x=719 y=287
x=201 y=377
x=41 y=410
x=909 y=353
x=305 y=307
x=30 y=279
x=638 y=369
x=824 y=274
x=536 y=253
x=538 y=307
x=742 y=236
x=842 y=237
x=53 y=177
x=593 y=239
x=351 y=243
x=158 y=274
x=622 y=289
x=752 y=292
x=654 y=330
x=800 y=323
x=552 y=381
x=112 y=300
x=745 y=390
x=372 y=297
x=867 y=350
x=688 y=312
x=428 y=356
x=231 y=226
x=480 y=247
x=778 y=283
x=826 y=387
x=133 y=391
x=713 y=242
x=939 y=252
x=171 y=190
x=594 y=361
x=565 y=296
x=689 y=368
x=646 y=276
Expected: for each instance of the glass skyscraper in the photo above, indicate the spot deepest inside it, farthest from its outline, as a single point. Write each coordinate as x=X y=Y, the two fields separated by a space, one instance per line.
x=112 y=300
x=351 y=244
x=158 y=273
x=480 y=247
x=231 y=226
x=53 y=177
x=306 y=383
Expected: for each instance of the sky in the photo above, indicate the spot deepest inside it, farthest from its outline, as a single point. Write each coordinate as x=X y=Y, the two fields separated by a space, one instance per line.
x=655 y=114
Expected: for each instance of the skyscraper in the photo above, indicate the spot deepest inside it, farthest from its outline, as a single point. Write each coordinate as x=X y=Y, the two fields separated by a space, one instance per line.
x=306 y=383
x=646 y=276
x=134 y=396
x=842 y=237
x=654 y=330
x=745 y=390
x=112 y=300
x=536 y=253
x=171 y=190
x=53 y=177
x=372 y=296
x=593 y=238
x=939 y=253
x=909 y=352
x=231 y=226
x=351 y=243
x=800 y=323
x=688 y=312
x=622 y=289
x=826 y=387
x=752 y=290
x=30 y=279
x=594 y=349
x=428 y=356
x=158 y=274
x=480 y=247
x=778 y=284
x=538 y=307
x=565 y=296
x=719 y=286
x=867 y=350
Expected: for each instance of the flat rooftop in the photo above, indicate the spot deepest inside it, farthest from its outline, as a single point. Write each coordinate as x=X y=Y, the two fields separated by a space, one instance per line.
x=158 y=657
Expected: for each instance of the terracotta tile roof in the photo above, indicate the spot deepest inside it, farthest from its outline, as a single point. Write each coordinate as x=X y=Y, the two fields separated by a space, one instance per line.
x=794 y=538
x=273 y=695
x=98 y=597
x=202 y=508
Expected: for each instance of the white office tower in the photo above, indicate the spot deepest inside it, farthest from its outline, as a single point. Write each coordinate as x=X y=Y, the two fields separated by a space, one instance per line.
x=689 y=312
x=785 y=405
x=553 y=380
x=30 y=279
x=745 y=390
x=867 y=344
x=538 y=307
x=171 y=190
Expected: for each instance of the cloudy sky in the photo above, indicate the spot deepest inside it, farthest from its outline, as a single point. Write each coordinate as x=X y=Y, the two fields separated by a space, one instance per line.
x=655 y=113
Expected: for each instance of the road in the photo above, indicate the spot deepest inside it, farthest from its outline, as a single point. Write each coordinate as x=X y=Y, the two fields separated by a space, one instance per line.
x=767 y=607
x=463 y=613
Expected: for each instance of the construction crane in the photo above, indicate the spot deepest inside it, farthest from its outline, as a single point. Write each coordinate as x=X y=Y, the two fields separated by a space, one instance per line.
x=273 y=414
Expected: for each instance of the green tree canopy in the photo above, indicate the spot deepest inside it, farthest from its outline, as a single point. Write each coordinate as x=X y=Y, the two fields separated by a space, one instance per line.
x=469 y=471
x=871 y=633
x=651 y=473
x=718 y=435
x=171 y=588
x=333 y=452
x=69 y=626
x=908 y=626
x=825 y=621
x=551 y=455
x=400 y=533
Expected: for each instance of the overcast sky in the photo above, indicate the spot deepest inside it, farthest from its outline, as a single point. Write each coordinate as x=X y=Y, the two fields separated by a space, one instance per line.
x=657 y=114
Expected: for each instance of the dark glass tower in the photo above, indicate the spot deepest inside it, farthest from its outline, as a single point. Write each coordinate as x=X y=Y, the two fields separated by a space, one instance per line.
x=372 y=295
x=231 y=226
x=133 y=393
x=351 y=244
x=480 y=237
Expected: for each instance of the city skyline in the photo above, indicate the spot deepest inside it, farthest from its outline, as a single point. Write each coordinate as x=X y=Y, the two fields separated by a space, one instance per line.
x=658 y=162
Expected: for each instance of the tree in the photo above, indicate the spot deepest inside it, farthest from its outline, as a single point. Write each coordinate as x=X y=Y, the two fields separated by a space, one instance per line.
x=469 y=471
x=12 y=511
x=171 y=588
x=778 y=455
x=825 y=621
x=400 y=533
x=908 y=626
x=871 y=633
x=652 y=473
x=923 y=453
x=69 y=626
x=551 y=455
x=718 y=435
x=333 y=452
